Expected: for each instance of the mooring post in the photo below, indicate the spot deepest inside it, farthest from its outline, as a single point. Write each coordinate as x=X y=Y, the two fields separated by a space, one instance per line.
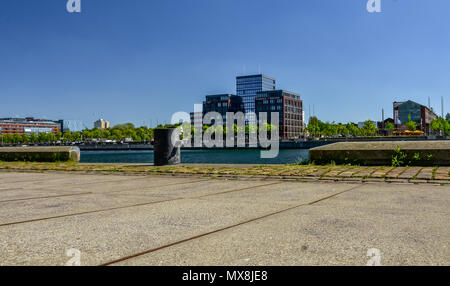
x=167 y=147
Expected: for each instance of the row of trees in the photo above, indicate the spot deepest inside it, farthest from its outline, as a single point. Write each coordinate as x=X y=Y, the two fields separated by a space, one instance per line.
x=33 y=138
x=441 y=125
x=119 y=132
x=319 y=128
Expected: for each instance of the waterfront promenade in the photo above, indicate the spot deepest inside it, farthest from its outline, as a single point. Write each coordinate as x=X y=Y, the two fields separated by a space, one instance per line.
x=139 y=218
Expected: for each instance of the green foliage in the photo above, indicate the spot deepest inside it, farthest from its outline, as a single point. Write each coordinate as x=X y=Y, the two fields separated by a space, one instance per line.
x=441 y=124
x=390 y=126
x=411 y=125
x=401 y=158
x=398 y=158
x=320 y=128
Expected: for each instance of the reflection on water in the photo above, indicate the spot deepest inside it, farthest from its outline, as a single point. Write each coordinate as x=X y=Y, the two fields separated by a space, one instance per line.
x=246 y=156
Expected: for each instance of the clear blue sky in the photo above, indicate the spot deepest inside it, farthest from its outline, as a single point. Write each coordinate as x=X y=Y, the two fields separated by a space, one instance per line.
x=139 y=61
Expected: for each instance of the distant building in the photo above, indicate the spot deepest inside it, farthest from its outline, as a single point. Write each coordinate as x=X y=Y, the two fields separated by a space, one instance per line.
x=196 y=118
x=421 y=114
x=28 y=126
x=223 y=103
x=71 y=125
x=290 y=109
x=248 y=86
x=382 y=124
x=254 y=94
x=101 y=124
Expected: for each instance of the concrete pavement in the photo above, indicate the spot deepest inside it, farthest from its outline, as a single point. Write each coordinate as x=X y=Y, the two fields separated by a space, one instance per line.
x=164 y=220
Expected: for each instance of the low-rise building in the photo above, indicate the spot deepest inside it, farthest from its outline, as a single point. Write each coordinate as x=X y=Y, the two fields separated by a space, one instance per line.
x=418 y=113
x=28 y=126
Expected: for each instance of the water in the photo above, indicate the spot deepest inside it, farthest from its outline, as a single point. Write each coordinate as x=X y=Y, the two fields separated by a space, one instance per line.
x=246 y=156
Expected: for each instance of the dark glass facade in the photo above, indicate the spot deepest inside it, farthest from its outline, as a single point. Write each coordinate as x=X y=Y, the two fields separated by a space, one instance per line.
x=223 y=103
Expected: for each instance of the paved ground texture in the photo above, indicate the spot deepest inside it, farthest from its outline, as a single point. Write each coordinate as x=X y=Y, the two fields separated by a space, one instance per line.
x=170 y=220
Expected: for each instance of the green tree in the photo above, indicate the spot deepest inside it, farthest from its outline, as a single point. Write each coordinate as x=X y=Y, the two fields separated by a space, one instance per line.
x=17 y=138
x=25 y=138
x=117 y=134
x=390 y=126
x=43 y=137
x=34 y=138
x=441 y=124
x=67 y=136
x=58 y=135
x=369 y=128
x=411 y=125
x=9 y=138
x=76 y=136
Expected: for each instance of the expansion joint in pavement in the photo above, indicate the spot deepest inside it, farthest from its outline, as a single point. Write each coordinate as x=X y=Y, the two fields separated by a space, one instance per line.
x=224 y=228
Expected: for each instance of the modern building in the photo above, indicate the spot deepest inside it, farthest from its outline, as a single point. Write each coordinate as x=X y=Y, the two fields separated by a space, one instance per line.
x=257 y=93
x=223 y=103
x=196 y=118
x=290 y=109
x=71 y=125
x=101 y=124
x=28 y=126
x=421 y=114
x=248 y=86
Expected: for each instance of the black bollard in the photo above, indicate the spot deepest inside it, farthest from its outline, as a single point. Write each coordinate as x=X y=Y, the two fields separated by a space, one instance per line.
x=165 y=152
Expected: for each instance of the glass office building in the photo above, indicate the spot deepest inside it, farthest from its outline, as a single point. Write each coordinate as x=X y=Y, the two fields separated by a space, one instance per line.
x=72 y=125
x=223 y=103
x=248 y=86
x=421 y=114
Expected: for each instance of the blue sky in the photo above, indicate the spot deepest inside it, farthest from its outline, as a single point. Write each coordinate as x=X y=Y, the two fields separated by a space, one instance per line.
x=140 y=61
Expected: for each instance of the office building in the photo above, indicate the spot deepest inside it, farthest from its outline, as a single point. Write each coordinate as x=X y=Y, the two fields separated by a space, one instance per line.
x=248 y=86
x=101 y=124
x=196 y=118
x=290 y=111
x=421 y=114
x=28 y=126
x=223 y=103
x=71 y=125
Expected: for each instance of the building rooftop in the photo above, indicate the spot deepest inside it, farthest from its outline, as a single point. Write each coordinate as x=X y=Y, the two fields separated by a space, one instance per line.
x=255 y=75
x=279 y=92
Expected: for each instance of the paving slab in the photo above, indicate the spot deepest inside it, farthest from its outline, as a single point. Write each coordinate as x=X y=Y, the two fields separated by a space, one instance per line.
x=408 y=226
x=426 y=173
